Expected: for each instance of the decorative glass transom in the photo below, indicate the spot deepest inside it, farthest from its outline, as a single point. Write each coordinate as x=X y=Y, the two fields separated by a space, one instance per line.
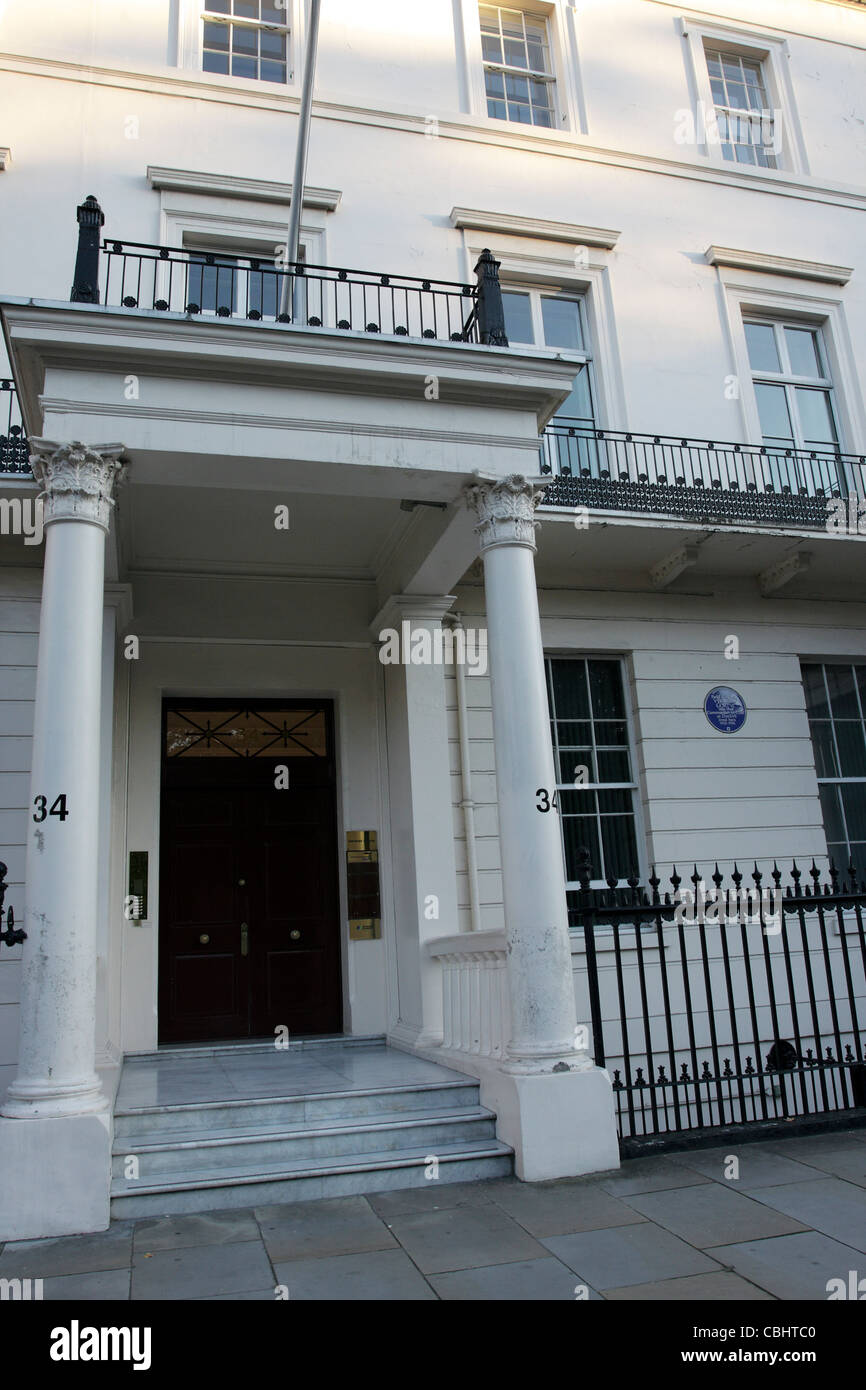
x=246 y=733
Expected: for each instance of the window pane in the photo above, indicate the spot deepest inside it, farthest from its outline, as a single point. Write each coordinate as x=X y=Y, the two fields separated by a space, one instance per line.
x=614 y=765
x=843 y=696
x=578 y=403
x=620 y=846
x=243 y=66
x=561 y=319
x=761 y=341
x=605 y=680
x=273 y=45
x=773 y=410
x=246 y=9
x=614 y=802
x=215 y=62
x=609 y=733
x=831 y=810
x=491 y=48
x=852 y=748
x=518 y=317
x=580 y=832
x=816 y=418
x=272 y=71
x=816 y=695
x=216 y=36
x=218 y=6
x=495 y=85
x=570 y=698
x=245 y=40
x=824 y=748
x=571 y=760
x=803 y=352
x=574 y=734
x=854 y=804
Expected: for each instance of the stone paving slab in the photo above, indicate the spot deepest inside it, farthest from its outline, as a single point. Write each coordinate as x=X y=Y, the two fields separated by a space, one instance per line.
x=380 y=1276
x=791 y=1267
x=713 y=1215
x=665 y=1228
x=625 y=1255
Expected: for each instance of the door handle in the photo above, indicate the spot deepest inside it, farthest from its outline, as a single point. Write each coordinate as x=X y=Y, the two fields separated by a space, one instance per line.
x=245 y=939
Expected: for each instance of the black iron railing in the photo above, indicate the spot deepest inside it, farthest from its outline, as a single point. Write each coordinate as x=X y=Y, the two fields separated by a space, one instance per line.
x=211 y=284
x=727 y=1004
x=696 y=479
x=14 y=450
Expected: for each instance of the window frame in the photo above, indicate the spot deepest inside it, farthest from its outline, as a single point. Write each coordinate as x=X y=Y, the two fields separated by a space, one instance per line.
x=739 y=114
x=840 y=780
x=190 y=45
x=570 y=117
x=548 y=76
x=773 y=54
x=790 y=380
x=536 y=293
x=635 y=786
x=232 y=21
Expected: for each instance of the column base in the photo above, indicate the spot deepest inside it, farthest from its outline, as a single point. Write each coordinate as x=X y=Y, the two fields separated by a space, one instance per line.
x=57 y=1176
x=34 y=1100
x=542 y=1063
x=559 y=1124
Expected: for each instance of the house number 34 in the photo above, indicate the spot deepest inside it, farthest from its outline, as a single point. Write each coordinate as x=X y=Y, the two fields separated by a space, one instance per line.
x=58 y=808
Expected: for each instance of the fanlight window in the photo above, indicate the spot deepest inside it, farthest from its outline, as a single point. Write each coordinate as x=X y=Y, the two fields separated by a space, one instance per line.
x=245 y=733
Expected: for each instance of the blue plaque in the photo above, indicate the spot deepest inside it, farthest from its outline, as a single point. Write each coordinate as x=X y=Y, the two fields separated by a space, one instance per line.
x=725 y=709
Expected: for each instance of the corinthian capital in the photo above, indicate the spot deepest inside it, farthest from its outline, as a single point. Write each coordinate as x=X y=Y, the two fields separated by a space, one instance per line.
x=505 y=511
x=77 y=479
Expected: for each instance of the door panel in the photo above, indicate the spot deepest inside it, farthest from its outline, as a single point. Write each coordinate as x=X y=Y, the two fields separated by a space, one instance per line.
x=237 y=850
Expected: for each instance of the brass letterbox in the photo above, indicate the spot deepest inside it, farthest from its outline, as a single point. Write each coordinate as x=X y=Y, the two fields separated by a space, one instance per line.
x=362 y=877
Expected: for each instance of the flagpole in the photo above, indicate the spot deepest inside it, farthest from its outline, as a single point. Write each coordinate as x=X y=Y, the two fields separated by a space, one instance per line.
x=299 y=176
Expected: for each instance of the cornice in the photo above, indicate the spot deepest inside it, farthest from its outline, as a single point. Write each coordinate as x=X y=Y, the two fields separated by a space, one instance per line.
x=556 y=144
x=235 y=186
x=536 y=227
x=769 y=264
x=420 y=608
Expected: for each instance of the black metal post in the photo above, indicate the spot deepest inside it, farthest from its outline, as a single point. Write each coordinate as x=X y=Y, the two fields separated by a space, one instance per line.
x=490 y=311
x=12 y=936
x=85 y=286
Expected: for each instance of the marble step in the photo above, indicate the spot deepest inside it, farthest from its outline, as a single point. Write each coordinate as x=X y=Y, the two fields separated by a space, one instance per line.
x=266 y=1149
x=308 y=1180
x=136 y=1123
x=261 y=1047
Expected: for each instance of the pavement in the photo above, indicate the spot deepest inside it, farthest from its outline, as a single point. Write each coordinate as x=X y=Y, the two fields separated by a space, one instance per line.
x=775 y=1220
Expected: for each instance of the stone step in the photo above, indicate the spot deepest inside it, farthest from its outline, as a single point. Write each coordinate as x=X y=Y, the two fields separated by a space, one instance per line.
x=133 y=1124
x=247 y=1146
x=308 y=1180
x=259 y=1046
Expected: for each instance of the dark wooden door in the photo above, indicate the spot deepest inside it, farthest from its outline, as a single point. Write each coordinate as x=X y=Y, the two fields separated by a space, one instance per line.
x=249 y=899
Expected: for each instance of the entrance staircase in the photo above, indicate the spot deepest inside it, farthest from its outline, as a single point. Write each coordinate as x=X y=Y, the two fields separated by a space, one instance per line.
x=325 y=1118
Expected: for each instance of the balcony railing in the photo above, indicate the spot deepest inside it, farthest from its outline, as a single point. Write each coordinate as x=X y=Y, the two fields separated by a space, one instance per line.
x=222 y=286
x=697 y=480
x=14 y=451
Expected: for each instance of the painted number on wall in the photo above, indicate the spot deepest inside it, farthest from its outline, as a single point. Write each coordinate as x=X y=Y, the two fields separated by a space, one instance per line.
x=58 y=808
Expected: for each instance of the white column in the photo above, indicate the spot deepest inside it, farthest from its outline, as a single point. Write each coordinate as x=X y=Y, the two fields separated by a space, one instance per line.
x=553 y=1105
x=56 y=1075
x=422 y=830
x=539 y=954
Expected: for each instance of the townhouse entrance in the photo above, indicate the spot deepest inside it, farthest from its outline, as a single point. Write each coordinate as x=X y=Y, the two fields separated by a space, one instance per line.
x=249 y=922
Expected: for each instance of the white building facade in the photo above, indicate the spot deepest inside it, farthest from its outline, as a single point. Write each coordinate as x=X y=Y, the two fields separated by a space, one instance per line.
x=568 y=386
